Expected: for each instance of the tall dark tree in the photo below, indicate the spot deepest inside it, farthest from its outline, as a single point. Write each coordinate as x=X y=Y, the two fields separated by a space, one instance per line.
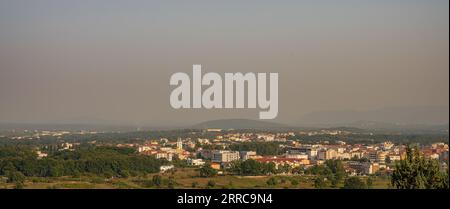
x=417 y=172
x=369 y=182
x=157 y=180
x=337 y=168
x=319 y=182
x=207 y=171
x=211 y=184
x=354 y=183
x=272 y=181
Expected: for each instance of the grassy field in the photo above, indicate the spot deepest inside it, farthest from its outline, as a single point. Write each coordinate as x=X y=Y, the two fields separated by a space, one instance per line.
x=181 y=178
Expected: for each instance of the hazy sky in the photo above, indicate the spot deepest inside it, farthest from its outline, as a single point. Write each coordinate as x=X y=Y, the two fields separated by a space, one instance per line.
x=110 y=61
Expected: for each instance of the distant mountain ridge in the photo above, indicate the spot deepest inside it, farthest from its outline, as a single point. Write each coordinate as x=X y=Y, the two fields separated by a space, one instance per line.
x=358 y=126
x=238 y=124
x=399 y=116
x=382 y=127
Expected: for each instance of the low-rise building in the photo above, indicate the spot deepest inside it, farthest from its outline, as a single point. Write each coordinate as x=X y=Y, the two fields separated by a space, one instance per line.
x=195 y=162
x=224 y=156
x=393 y=158
x=381 y=157
x=281 y=161
x=144 y=148
x=165 y=155
x=165 y=168
x=215 y=166
x=363 y=168
x=245 y=155
x=41 y=155
x=327 y=154
x=297 y=156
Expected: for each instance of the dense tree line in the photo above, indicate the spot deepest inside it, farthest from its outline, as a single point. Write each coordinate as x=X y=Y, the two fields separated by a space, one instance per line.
x=207 y=171
x=102 y=161
x=354 y=183
x=252 y=168
x=332 y=170
x=261 y=148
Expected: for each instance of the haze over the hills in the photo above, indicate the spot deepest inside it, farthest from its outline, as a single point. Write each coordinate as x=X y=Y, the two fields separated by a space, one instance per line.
x=395 y=119
x=424 y=115
x=238 y=124
x=359 y=126
x=109 y=61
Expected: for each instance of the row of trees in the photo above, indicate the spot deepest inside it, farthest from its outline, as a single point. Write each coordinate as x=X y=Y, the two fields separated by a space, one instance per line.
x=357 y=183
x=101 y=161
x=331 y=171
x=252 y=168
x=245 y=168
x=262 y=148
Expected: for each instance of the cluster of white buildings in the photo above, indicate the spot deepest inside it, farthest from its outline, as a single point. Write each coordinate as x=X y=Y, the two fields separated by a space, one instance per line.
x=164 y=150
x=246 y=137
x=359 y=159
